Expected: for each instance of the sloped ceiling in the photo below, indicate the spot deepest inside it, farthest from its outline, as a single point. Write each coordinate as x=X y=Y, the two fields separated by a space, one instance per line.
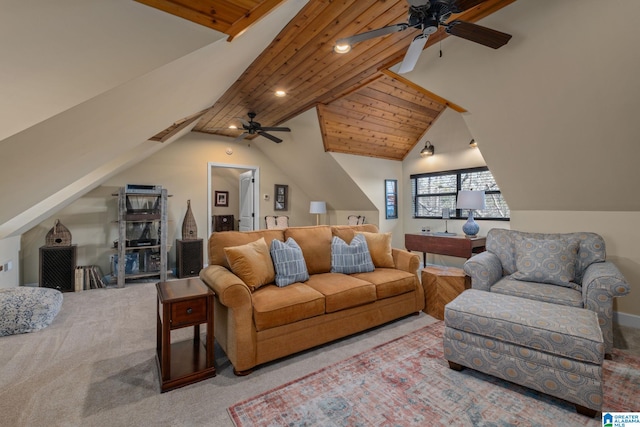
x=383 y=118
x=229 y=17
x=301 y=61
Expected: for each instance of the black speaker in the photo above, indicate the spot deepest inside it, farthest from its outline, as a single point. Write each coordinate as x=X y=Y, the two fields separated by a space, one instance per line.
x=58 y=267
x=188 y=257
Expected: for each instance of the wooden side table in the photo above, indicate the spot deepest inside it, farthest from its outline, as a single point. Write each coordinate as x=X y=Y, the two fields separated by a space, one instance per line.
x=184 y=303
x=441 y=286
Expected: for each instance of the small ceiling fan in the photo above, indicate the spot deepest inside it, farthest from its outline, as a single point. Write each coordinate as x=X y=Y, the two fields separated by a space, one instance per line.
x=427 y=15
x=254 y=128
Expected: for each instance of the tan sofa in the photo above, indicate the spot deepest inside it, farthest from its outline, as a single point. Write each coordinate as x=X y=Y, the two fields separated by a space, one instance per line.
x=258 y=325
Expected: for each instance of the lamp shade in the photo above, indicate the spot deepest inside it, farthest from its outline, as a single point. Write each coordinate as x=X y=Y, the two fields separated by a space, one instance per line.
x=318 y=208
x=470 y=200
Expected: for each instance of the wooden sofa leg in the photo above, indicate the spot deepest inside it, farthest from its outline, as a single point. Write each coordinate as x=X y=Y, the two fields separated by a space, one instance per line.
x=591 y=413
x=455 y=366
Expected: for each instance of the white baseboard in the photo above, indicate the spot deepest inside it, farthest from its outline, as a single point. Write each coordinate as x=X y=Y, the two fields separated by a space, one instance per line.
x=624 y=319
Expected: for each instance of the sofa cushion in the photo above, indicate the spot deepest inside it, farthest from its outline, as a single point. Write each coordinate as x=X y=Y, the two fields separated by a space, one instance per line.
x=288 y=262
x=380 y=249
x=389 y=282
x=350 y=258
x=550 y=261
x=251 y=263
x=274 y=306
x=348 y=232
x=315 y=243
x=538 y=291
x=220 y=240
x=342 y=291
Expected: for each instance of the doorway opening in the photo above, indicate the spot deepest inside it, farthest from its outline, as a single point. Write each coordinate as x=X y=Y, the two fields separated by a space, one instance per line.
x=239 y=184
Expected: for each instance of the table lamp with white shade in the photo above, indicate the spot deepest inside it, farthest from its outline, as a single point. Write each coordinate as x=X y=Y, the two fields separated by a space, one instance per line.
x=470 y=200
x=318 y=208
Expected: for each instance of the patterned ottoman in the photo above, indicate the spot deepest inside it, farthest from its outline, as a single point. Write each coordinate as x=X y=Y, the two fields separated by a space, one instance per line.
x=26 y=309
x=551 y=348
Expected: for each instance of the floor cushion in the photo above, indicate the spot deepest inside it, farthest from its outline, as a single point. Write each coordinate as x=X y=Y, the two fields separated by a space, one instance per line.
x=27 y=309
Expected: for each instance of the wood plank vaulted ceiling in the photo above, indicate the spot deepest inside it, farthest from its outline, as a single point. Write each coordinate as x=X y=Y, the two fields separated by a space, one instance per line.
x=363 y=107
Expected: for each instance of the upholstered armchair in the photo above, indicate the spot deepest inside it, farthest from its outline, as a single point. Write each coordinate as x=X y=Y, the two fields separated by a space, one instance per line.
x=568 y=269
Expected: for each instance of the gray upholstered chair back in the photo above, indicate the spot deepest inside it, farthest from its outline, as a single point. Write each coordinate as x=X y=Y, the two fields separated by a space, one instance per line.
x=502 y=243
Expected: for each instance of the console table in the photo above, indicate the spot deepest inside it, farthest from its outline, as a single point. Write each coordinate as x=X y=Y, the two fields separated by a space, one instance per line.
x=456 y=246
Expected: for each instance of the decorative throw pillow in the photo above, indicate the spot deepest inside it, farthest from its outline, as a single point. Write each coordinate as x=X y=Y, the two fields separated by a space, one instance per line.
x=251 y=263
x=546 y=261
x=350 y=258
x=380 y=249
x=288 y=262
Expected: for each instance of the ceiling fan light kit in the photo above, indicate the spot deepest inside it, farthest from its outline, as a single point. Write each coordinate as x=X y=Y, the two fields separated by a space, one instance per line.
x=254 y=128
x=428 y=16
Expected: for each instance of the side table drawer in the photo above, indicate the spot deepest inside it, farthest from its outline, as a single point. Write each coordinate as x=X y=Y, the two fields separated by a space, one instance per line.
x=190 y=312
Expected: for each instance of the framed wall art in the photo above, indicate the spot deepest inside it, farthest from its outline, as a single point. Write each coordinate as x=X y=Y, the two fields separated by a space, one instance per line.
x=222 y=198
x=281 y=197
x=391 y=198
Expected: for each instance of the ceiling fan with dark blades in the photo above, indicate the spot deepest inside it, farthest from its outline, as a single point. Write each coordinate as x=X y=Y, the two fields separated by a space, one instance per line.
x=254 y=128
x=427 y=16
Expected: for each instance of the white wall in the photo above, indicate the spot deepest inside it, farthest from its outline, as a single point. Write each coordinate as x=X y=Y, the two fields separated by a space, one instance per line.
x=369 y=175
x=182 y=169
x=555 y=113
x=9 y=252
x=451 y=137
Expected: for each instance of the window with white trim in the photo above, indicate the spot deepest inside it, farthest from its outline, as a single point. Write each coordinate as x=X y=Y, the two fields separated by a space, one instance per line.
x=432 y=192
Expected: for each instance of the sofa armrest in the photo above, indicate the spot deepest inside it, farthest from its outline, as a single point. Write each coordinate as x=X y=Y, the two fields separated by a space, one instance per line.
x=230 y=290
x=601 y=282
x=233 y=316
x=603 y=279
x=485 y=269
x=406 y=261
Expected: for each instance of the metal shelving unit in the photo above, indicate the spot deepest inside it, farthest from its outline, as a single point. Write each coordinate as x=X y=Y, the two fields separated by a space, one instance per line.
x=142 y=234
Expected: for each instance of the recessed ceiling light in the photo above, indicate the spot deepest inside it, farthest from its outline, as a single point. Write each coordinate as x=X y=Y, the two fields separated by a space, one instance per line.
x=233 y=127
x=281 y=93
x=342 y=47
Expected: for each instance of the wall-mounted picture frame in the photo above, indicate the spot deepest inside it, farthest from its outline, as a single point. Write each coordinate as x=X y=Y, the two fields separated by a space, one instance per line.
x=222 y=198
x=391 y=198
x=281 y=197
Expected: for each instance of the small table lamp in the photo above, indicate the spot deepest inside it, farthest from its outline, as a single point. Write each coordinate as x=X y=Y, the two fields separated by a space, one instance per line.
x=318 y=208
x=470 y=200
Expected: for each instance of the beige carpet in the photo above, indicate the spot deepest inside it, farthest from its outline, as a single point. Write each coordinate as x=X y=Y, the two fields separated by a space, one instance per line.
x=95 y=366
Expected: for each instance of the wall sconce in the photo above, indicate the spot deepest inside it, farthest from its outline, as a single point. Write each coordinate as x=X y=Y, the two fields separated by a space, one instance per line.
x=428 y=149
x=473 y=143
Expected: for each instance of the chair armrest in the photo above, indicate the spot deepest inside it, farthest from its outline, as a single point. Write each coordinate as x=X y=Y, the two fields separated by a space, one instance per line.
x=406 y=261
x=603 y=278
x=485 y=269
x=230 y=290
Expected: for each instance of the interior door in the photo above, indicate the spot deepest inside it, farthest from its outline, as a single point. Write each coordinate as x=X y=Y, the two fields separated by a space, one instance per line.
x=247 y=189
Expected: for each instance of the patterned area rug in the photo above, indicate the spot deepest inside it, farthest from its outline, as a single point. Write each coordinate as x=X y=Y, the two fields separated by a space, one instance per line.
x=406 y=382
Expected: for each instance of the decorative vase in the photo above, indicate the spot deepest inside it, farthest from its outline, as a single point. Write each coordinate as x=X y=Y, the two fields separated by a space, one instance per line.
x=59 y=235
x=189 y=227
x=471 y=227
